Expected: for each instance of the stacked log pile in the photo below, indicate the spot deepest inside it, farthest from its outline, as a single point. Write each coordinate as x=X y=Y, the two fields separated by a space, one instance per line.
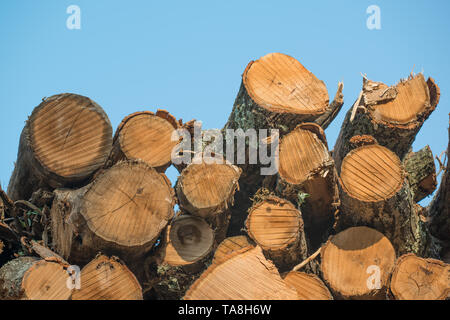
x=91 y=216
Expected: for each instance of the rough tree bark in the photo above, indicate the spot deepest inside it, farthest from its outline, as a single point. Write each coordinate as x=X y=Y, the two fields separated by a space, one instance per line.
x=64 y=141
x=421 y=172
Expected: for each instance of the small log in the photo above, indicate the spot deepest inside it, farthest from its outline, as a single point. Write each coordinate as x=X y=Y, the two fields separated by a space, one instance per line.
x=374 y=192
x=308 y=286
x=277 y=227
x=65 y=140
x=207 y=190
x=392 y=115
x=307 y=177
x=185 y=253
x=415 y=278
x=246 y=275
x=421 y=172
x=31 y=279
x=439 y=208
x=147 y=136
x=230 y=245
x=278 y=92
x=122 y=213
x=107 y=278
x=357 y=264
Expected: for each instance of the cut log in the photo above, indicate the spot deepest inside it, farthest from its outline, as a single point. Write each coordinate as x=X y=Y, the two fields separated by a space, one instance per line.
x=374 y=192
x=392 y=115
x=308 y=286
x=415 y=278
x=278 y=92
x=230 y=245
x=307 y=177
x=421 y=172
x=65 y=140
x=185 y=253
x=277 y=227
x=147 y=136
x=439 y=208
x=207 y=190
x=107 y=278
x=122 y=212
x=32 y=279
x=357 y=263
x=246 y=275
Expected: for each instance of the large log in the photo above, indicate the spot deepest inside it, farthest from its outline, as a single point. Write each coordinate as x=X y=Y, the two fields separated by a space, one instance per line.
x=64 y=141
x=307 y=177
x=308 y=286
x=415 y=278
x=357 y=263
x=246 y=275
x=392 y=115
x=122 y=213
x=278 y=92
x=276 y=226
x=374 y=192
x=147 y=136
x=32 y=279
x=107 y=278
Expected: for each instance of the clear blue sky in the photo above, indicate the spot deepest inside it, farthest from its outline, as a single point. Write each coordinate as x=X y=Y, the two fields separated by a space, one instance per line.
x=188 y=56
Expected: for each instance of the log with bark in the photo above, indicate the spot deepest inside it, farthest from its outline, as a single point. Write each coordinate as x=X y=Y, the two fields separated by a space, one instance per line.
x=30 y=278
x=375 y=192
x=392 y=115
x=206 y=189
x=107 y=278
x=307 y=177
x=276 y=226
x=185 y=252
x=357 y=263
x=122 y=213
x=421 y=172
x=64 y=141
x=245 y=275
x=415 y=278
x=147 y=136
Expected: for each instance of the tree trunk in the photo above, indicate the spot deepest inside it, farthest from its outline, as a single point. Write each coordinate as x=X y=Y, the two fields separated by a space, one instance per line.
x=307 y=177
x=415 y=278
x=121 y=213
x=246 y=275
x=357 y=264
x=421 y=172
x=186 y=251
x=65 y=140
x=392 y=115
x=308 y=286
x=147 y=136
x=439 y=208
x=374 y=192
x=277 y=227
x=31 y=279
x=207 y=190
x=277 y=92
x=107 y=278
